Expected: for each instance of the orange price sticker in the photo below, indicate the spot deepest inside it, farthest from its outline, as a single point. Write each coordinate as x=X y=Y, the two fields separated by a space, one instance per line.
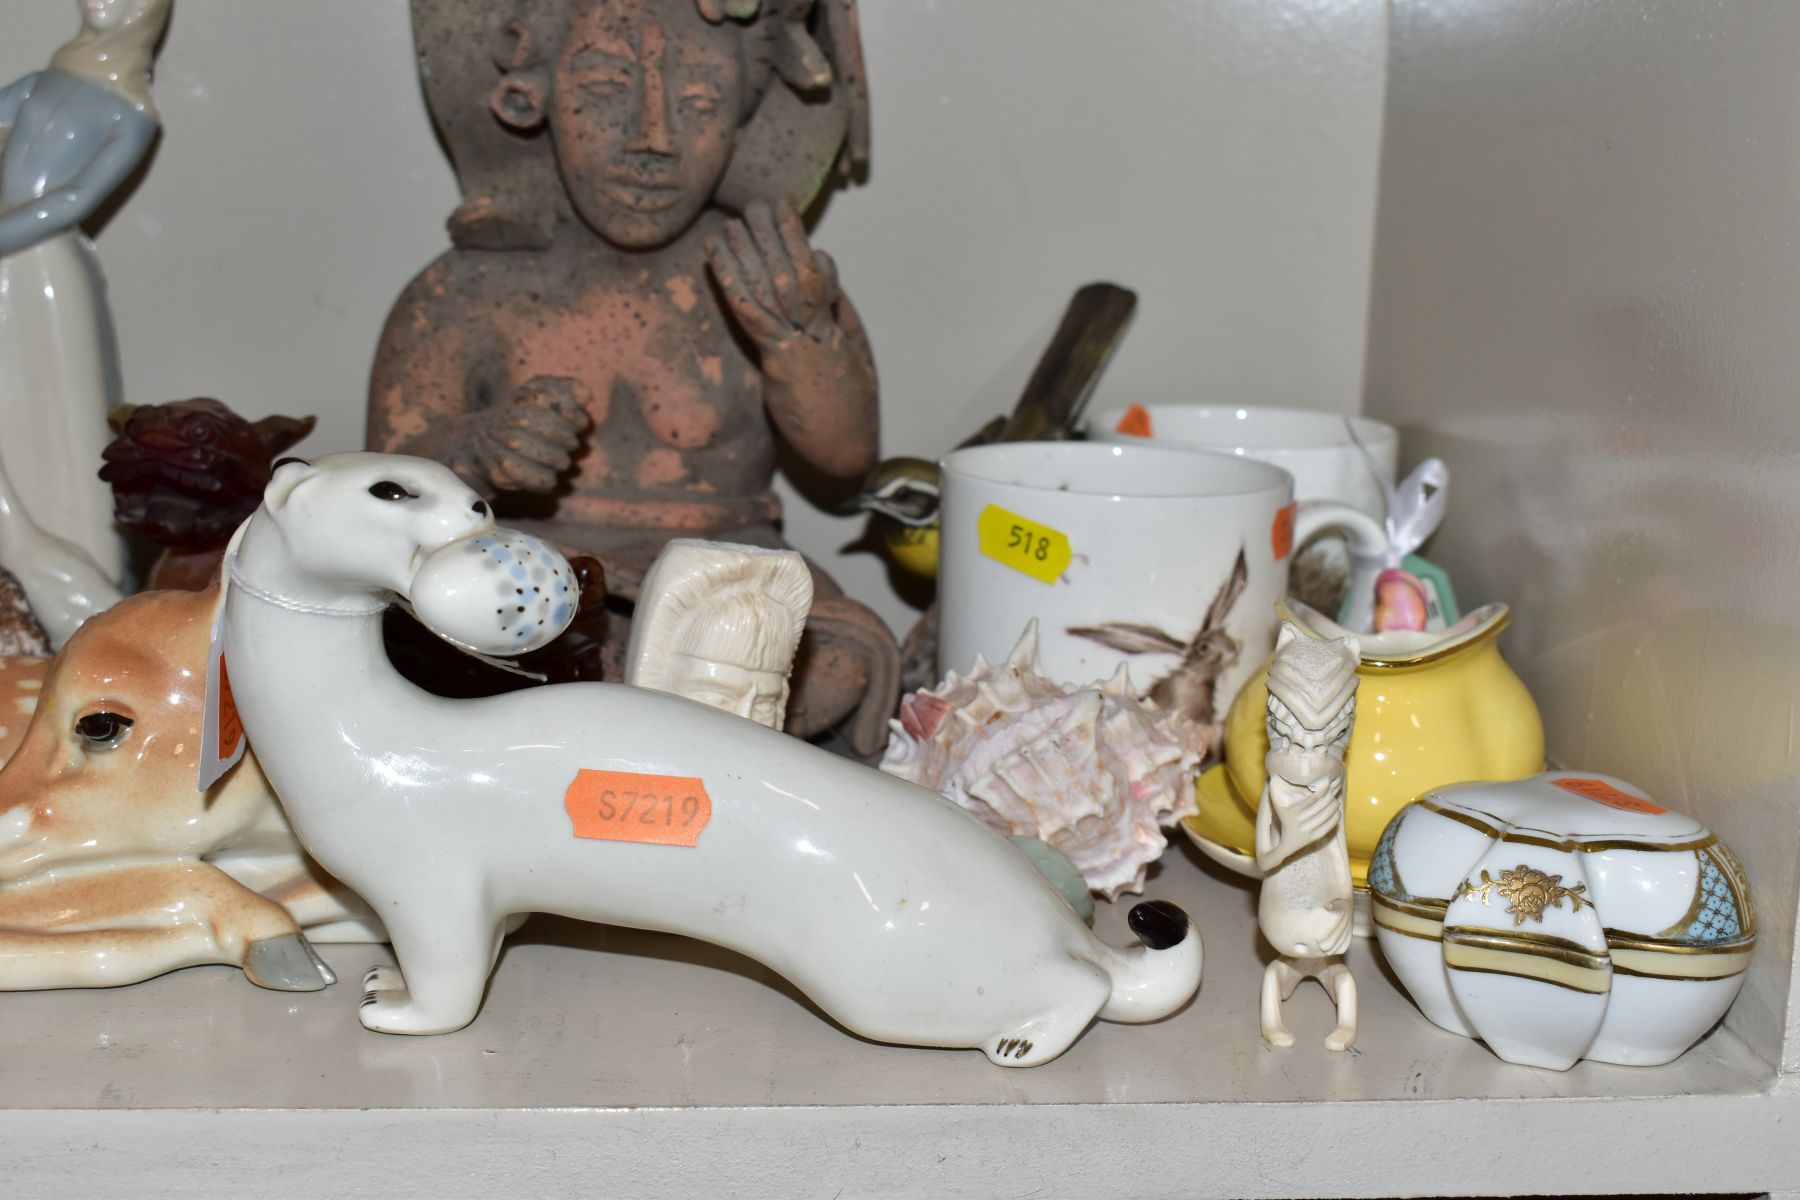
x=1281 y=536
x=222 y=740
x=1135 y=421
x=1602 y=792
x=231 y=726
x=624 y=806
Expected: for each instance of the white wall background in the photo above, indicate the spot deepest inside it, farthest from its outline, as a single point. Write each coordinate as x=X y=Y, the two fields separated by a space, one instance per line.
x=1586 y=294
x=1217 y=155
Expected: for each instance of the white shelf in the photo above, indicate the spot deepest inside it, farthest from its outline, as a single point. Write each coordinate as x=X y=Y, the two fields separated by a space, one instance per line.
x=612 y=1062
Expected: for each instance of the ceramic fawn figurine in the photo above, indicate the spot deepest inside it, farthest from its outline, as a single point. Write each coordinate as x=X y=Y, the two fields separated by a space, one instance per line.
x=1305 y=906
x=901 y=916
x=113 y=868
x=720 y=623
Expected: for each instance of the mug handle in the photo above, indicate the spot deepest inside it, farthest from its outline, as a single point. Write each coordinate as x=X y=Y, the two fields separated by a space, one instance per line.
x=1368 y=549
x=1367 y=537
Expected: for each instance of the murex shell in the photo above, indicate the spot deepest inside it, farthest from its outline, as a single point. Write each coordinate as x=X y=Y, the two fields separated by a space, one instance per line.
x=1095 y=771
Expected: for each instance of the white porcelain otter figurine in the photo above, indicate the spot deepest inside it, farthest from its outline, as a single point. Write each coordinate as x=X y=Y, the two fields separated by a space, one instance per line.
x=901 y=916
x=1305 y=906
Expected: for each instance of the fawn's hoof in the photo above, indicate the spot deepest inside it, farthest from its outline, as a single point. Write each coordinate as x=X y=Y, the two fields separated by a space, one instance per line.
x=287 y=963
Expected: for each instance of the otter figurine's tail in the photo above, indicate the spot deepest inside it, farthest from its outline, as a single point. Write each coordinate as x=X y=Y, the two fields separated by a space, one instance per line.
x=1155 y=979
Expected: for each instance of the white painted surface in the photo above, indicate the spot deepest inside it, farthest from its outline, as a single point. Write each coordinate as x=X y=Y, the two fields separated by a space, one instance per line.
x=608 y=1062
x=1586 y=283
x=1216 y=155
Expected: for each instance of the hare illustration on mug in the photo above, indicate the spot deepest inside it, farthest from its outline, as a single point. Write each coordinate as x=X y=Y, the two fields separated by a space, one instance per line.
x=903 y=917
x=1175 y=562
x=1191 y=688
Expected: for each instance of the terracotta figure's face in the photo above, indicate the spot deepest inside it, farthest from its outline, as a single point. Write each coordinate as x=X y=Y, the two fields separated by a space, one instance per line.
x=644 y=110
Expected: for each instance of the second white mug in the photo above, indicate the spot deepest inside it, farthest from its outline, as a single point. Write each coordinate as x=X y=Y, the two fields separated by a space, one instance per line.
x=1315 y=447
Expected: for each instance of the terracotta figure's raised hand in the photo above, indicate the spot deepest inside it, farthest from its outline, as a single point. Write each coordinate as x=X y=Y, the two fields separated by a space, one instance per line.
x=779 y=287
x=525 y=444
x=785 y=297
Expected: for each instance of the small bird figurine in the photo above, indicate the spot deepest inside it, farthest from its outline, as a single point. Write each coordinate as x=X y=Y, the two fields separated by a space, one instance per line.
x=901 y=494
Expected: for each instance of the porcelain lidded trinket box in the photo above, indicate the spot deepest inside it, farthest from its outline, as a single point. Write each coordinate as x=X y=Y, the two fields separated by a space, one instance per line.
x=1562 y=917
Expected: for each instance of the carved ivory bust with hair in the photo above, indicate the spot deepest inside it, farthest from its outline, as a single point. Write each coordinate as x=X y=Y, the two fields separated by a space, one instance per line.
x=719 y=623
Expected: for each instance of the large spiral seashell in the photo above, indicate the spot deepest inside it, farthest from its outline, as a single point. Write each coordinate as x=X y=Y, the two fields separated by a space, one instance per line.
x=1094 y=771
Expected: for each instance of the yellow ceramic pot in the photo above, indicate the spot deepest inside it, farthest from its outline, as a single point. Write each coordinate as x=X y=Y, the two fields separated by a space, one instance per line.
x=1432 y=709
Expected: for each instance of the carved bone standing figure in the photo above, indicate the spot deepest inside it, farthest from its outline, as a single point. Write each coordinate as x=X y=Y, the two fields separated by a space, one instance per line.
x=901 y=916
x=719 y=623
x=1188 y=689
x=1305 y=906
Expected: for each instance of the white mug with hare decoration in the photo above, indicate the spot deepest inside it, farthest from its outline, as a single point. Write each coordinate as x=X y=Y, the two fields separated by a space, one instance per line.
x=1169 y=560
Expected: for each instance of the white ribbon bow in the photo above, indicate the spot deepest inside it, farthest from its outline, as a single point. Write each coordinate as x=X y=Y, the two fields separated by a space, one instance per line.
x=1415 y=507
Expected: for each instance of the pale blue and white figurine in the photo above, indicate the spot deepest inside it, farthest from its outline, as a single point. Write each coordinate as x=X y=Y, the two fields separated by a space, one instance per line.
x=70 y=136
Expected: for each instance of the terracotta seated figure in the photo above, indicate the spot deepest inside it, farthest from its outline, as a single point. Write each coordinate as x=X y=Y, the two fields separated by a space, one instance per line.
x=622 y=376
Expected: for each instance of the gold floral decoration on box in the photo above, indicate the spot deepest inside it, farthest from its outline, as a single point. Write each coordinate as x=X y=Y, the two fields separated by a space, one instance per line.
x=1528 y=892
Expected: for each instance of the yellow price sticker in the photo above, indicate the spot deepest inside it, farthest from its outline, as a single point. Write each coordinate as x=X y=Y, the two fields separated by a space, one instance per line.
x=1022 y=544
